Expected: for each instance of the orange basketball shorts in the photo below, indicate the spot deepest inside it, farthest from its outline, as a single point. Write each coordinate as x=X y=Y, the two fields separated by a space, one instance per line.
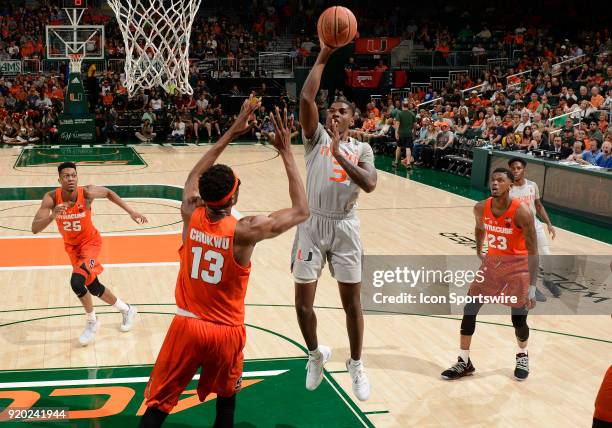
x=507 y=275
x=84 y=259
x=192 y=343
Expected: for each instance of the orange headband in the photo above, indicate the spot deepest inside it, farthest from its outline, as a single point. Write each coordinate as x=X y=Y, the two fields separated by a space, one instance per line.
x=222 y=202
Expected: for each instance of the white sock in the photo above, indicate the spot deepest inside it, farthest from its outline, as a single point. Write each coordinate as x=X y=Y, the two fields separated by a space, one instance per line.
x=91 y=316
x=355 y=362
x=522 y=350
x=465 y=355
x=315 y=354
x=121 y=305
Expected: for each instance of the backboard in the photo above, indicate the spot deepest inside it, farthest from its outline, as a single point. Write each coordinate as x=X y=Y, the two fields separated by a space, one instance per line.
x=66 y=39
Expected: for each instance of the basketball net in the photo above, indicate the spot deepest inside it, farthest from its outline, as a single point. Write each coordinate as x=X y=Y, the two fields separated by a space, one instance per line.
x=156 y=35
x=76 y=59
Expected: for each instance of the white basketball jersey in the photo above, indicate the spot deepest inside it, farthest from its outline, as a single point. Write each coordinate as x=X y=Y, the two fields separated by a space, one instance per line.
x=527 y=193
x=329 y=188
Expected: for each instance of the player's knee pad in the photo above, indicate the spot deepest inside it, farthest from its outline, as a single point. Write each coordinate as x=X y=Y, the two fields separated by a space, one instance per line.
x=521 y=329
x=468 y=325
x=96 y=288
x=77 y=283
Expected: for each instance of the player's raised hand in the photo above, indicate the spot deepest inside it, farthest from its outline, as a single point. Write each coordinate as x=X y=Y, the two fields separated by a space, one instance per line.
x=324 y=48
x=245 y=118
x=138 y=218
x=335 y=138
x=282 y=133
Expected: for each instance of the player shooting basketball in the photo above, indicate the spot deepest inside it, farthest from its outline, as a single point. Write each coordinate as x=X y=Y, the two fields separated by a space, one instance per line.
x=208 y=330
x=510 y=268
x=70 y=206
x=338 y=167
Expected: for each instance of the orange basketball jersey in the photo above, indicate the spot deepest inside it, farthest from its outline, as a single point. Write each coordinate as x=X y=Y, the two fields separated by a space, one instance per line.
x=75 y=224
x=603 y=402
x=504 y=237
x=210 y=283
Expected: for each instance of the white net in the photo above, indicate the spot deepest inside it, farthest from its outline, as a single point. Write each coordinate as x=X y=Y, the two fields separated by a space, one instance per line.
x=156 y=35
x=75 y=62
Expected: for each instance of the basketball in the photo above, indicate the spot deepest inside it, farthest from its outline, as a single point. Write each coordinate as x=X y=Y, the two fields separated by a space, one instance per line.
x=337 y=26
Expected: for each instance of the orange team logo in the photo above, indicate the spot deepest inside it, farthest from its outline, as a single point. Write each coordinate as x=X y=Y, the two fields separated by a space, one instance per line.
x=300 y=257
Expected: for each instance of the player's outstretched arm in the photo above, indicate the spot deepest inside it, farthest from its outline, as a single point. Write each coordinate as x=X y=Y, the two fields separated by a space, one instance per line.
x=241 y=125
x=364 y=173
x=309 y=113
x=479 y=230
x=524 y=220
x=97 y=192
x=251 y=230
x=46 y=214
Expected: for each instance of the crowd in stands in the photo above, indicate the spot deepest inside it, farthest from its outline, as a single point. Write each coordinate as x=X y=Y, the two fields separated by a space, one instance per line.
x=571 y=120
x=529 y=106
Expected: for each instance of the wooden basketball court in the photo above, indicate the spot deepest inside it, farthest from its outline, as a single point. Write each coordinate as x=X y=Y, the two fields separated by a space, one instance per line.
x=40 y=318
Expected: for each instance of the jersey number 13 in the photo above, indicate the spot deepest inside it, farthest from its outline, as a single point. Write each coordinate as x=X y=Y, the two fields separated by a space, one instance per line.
x=213 y=274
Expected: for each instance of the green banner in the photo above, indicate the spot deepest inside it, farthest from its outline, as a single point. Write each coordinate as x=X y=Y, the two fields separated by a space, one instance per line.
x=76 y=124
x=10 y=67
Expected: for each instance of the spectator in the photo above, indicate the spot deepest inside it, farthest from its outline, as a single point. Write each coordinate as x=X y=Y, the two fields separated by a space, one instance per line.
x=109 y=131
x=523 y=124
x=187 y=120
x=199 y=121
x=578 y=148
x=562 y=149
x=604 y=159
x=149 y=115
x=588 y=156
x=444 y=142
x=178 y=129
x=404 y=123
x=534 y=103
x=526 y=138
x=156 y=103
x=594 y=133
x=146 y=134
x=596 y=99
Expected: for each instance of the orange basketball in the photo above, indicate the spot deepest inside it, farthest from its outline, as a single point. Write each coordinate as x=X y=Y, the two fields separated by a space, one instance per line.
x=337 y=26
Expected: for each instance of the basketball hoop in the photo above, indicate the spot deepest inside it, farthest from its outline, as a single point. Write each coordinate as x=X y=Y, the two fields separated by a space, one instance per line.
x=156 y=35
x=75 y=62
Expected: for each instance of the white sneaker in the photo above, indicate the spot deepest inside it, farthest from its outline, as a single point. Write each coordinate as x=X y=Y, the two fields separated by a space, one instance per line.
x=90 y=332
x=314 y=368
x=361 y=384
x=128 y=318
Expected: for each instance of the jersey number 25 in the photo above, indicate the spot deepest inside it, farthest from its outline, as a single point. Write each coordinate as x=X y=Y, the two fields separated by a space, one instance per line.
x=72 y=226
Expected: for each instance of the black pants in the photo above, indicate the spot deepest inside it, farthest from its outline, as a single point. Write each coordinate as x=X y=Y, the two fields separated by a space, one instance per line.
x=438 y=158
x=427 y=156
x=470 y=311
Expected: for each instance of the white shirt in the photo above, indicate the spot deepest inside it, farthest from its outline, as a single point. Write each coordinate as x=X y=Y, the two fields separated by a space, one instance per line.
x=180 y=130
x=156 y=104
x=527 y=193
x=202 y=104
